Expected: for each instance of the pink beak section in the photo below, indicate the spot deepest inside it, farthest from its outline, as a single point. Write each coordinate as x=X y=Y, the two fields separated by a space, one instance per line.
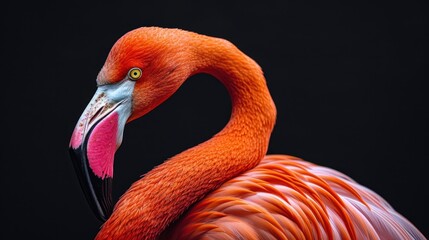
x=97 y=134
x=77 y=136
x=102 y=146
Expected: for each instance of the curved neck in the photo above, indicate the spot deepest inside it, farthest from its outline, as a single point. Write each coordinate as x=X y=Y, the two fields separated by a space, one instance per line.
x=252 y=105
x=163 y=194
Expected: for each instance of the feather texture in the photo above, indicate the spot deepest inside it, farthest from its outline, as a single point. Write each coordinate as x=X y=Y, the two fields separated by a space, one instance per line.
x=287 y=198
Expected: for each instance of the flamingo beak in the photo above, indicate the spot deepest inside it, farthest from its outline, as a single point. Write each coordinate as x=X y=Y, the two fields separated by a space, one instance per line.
x=95 y=139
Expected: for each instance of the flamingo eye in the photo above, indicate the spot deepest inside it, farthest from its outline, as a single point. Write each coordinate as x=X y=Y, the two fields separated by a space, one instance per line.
x=134 y=74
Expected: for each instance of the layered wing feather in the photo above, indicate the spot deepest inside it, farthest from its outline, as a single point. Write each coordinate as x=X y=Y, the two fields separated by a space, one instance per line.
x=287 y=198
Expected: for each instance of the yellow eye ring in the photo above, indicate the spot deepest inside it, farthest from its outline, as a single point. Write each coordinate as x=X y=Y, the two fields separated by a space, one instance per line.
x=134 y=74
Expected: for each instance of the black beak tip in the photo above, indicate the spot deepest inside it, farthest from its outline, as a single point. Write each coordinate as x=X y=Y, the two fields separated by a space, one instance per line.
x=98 y=192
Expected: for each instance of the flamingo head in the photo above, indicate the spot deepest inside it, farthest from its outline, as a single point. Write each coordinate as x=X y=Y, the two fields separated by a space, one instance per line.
x=143 y=68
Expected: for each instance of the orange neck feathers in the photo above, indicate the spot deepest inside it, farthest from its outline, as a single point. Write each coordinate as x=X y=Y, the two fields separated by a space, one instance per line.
x=163 y=194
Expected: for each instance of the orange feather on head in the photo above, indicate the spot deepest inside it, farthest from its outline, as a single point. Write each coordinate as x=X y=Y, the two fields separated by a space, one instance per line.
x=162 y=62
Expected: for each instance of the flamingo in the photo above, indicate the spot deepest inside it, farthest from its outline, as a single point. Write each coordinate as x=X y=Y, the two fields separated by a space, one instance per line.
x=226 y=187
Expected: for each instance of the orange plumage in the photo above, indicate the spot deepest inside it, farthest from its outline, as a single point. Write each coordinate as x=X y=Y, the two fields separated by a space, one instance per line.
x=226 y=188
x=287 y=198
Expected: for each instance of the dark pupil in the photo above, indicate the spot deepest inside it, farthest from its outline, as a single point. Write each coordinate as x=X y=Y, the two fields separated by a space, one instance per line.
x=135 y=73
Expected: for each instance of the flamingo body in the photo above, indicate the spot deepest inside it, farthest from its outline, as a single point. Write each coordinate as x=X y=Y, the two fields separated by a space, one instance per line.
x=224 y=188
x=287 y=198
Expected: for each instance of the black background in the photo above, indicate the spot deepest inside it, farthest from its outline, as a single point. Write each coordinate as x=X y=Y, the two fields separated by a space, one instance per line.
x=349 y=82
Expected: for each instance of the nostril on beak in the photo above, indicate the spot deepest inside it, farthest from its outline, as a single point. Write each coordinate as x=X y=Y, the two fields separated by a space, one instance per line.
x=96 y=114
